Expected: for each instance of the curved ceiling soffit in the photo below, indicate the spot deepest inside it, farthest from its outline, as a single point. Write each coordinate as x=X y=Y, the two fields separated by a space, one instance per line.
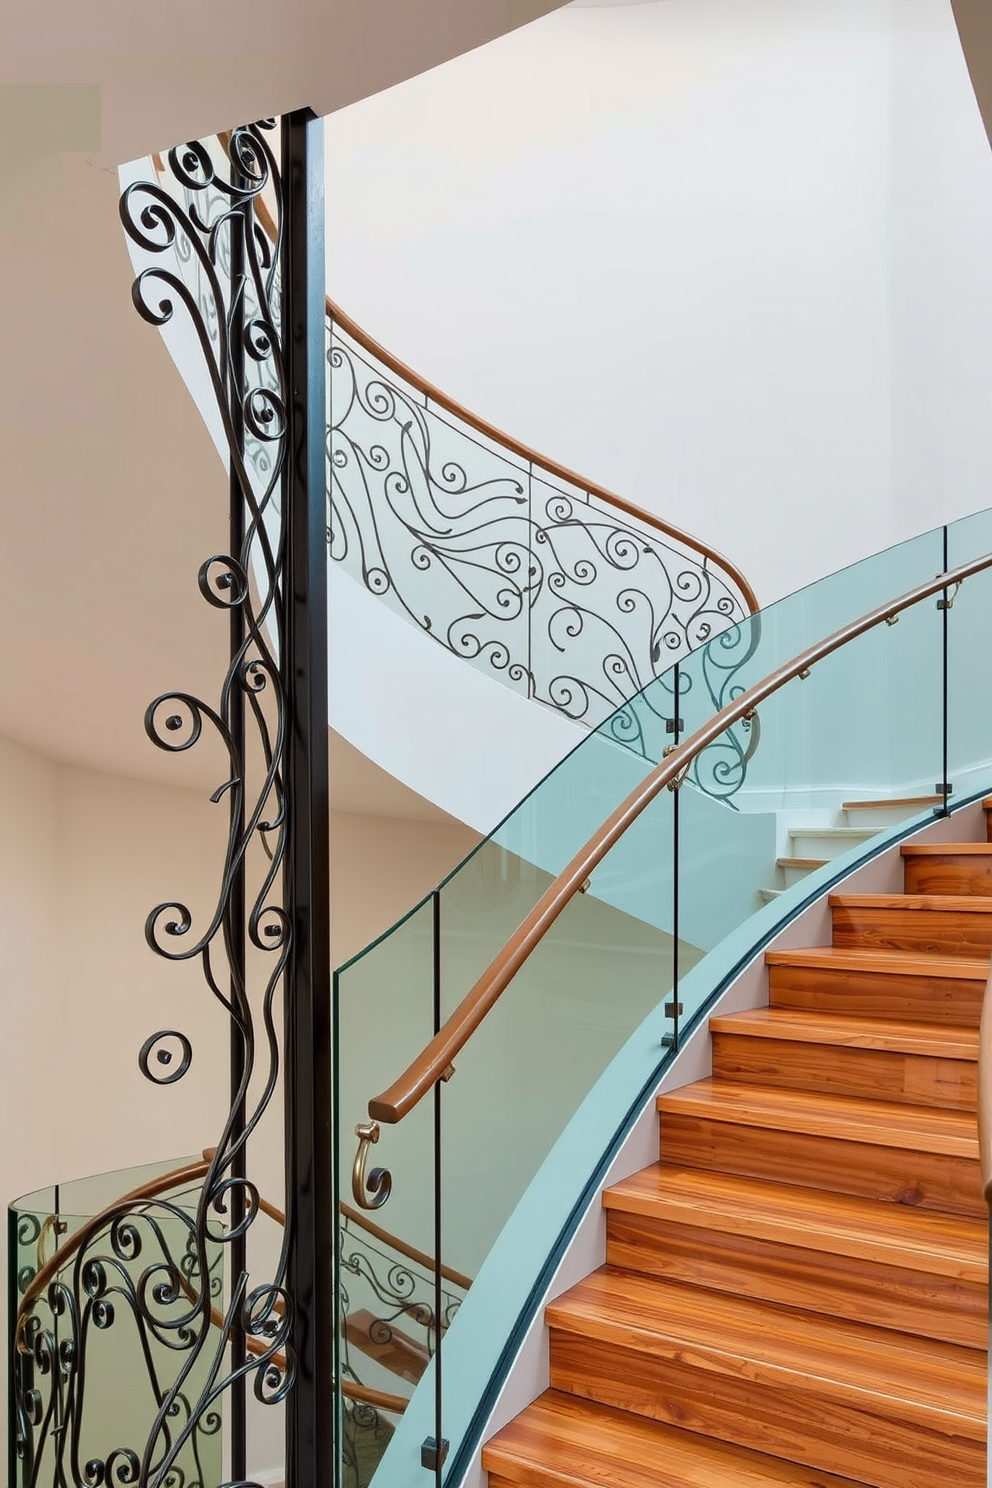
x=974 y=23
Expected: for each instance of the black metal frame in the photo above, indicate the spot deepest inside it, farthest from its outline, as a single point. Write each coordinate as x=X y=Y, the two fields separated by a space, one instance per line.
x=311 y=1435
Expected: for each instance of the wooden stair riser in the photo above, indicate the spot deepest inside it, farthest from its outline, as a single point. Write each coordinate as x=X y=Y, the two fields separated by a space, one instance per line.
x=882 y=993
x=834 y=1069
x=796 y=1423
x=895 y=1174
x=948 y=873
x=855 y=1287
x=901 y=927
x=388 y=1345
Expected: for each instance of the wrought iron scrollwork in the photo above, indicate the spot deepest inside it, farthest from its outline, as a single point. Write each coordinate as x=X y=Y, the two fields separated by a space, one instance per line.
x=136 y=1283
x=544 y=585
x=720 y=769
x=645 y=722
x=205 y=215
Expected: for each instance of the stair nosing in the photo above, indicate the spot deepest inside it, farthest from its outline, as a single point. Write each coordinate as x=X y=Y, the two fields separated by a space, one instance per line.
x=840 y=834
x=946 y=849
x=890 y=963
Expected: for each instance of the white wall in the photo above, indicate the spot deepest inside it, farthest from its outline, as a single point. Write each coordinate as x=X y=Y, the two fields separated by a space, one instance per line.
x=455 y=736
x=381 y=867
x=728 y=257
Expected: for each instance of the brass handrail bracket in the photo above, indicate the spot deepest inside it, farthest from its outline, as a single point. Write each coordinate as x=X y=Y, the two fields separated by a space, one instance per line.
x=369 y=1190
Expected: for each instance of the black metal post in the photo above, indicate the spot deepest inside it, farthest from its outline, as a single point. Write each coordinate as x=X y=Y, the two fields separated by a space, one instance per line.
x=310 y=1414
x=235 y=918
x=440 y=1445
x=676 y=1007
x=945 y=615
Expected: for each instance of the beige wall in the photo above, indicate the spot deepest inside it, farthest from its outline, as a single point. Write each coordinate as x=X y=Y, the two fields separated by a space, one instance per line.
x=380 y=867
x=83 y=857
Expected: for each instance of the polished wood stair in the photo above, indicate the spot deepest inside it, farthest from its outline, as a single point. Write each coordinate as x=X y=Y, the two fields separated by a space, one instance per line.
x=797 y=1292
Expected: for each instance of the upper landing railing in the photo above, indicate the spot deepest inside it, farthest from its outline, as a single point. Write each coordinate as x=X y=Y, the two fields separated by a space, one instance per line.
x=565 y=592
x=571 y=595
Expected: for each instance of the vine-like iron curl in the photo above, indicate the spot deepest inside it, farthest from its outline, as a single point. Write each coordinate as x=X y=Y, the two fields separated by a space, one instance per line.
x=222 y=581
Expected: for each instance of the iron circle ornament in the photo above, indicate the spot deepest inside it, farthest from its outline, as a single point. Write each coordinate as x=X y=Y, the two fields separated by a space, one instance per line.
x=165 y=1057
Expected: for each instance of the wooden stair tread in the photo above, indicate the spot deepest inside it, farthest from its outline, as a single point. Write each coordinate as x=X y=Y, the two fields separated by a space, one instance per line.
x=813 y=1219
x=936 y=1385
x=896 y=963
x=564 y=1440
x=834 y=834
x=918 y=903
x=809 y=863
x=945 y=849
x=879 y=1123
x=895 y=801
x=946 y=1041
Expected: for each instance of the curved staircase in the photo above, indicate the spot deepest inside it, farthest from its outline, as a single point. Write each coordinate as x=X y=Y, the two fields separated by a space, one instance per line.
x=797 y=1292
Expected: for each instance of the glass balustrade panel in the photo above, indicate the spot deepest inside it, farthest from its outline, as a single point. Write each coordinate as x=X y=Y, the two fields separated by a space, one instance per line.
x=721 y=666
x=553 y=1031
x=865 y=725
x=969 y=698
x=384 y=1003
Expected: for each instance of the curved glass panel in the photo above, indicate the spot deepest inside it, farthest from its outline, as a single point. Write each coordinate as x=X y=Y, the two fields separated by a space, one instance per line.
x=774 y=798
x=115 y=1288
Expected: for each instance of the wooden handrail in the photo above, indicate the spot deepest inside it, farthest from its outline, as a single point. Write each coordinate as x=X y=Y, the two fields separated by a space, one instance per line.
x=410 y=1251
x=337 y=316
x=153 y=1189
x=436 y=1060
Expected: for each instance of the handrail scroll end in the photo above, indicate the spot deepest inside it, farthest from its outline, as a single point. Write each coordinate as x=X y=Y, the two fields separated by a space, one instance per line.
x=369 y=1190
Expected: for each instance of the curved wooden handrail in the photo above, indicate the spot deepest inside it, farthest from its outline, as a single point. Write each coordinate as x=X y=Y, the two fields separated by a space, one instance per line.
x=435 y=395
x=436 y=1060
x=153 y=1189
x=410 y=1251
x=419 y=1257
x=337 y=316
